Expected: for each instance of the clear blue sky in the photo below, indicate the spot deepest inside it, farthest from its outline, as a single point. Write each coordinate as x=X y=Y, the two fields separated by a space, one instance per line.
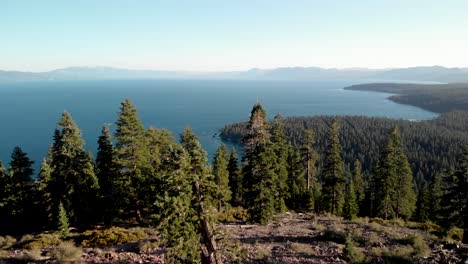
x=215 y=35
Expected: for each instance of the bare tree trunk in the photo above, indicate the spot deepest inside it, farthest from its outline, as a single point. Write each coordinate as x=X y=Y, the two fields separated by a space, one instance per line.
x=210 y=256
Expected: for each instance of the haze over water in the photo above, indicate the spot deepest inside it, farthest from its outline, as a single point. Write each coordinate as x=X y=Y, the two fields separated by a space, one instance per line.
x=29 y=111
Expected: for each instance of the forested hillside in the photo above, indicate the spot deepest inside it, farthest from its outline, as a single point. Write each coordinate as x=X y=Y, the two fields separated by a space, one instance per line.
x=438 y=98
x=431 y=145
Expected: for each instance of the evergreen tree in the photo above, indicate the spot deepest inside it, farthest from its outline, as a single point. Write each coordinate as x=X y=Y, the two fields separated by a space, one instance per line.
x=455 y=192
x=281 y=149
x=423 y=204
x=333 y=178
x=22 y=190
x=204 y=195
x=133 y=161
x=358 y=182
x=393 y=193
x=309 y=157
x=44 y=183
x=296 y=181
x=106 y=173
x=260 y=176
x=435 y=198
x=350 y=209
x=235 y=179
x=72 y=179
x=178 y=221
x=4 y=196
x=62 y=222
x=221 y=176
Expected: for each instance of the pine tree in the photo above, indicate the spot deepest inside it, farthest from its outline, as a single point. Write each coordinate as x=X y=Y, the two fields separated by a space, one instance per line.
x=62 y=222
x=333 y=178
x=221 y=176
x=423 y=204
x=394 y=194
x=296 y=181
x=350 y=209
x=4 y=193
x=281 y=149
x=309 y=157
x=235 y=179
x=204 y=195
x=435 y=199
x=358 y=182
x=72 y=179
x=106 y=173
x=22 y=190
x=260 y=176
x=133 y=161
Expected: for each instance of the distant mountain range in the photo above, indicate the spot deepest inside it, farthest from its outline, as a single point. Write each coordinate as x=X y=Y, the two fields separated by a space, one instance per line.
x=431 y=74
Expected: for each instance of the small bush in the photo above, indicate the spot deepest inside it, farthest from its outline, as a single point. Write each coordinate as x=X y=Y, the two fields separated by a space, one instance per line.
x=399 y=254
x=318 y=227
x=397 y=222
x=7 y=242
x=26 y=238
x=233 y=214
x=112 y=236
x=67 y=252
x=262 y=253
x=43 y=240
x=372 y=240
x=376 y=227
x=352 y=253
x=420 y=247
x=147 y=245
x=301 y=248
x=3 y=254
x=454 y=234
x=335 y=233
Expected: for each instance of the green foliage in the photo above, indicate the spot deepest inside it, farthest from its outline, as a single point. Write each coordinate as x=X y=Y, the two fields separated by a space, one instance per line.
x=359 y=187
x=260 y=178
x=111 y=236
x=332 y=173
x=351 y=208
x=221 y=177
x=351 y=253
x=67 y=252
x=235 y=179
x=106 y=172
x=393 y=188
x=132 y=161
x=62 y=222
x=41 y=241
x=423 y=204
x=72 y=179
x=281 y=149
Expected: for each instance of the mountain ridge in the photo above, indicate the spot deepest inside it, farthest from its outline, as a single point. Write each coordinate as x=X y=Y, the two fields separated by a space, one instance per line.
x=420 y=73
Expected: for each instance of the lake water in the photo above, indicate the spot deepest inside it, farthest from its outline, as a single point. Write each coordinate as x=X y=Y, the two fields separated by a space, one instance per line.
x=29 y=111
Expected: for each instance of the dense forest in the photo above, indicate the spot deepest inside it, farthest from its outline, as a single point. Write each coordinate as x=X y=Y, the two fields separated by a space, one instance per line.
x=431 y=146
x=439 y=98
x=144 y=177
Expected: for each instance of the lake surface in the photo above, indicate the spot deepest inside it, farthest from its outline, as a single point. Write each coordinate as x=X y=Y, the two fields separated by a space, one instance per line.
x=29 y=111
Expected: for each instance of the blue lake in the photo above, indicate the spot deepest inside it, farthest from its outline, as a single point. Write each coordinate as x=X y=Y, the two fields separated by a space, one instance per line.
x=29 y=111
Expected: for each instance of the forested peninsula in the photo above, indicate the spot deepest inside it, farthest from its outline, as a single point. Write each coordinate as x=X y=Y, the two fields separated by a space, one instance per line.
x=439 y=98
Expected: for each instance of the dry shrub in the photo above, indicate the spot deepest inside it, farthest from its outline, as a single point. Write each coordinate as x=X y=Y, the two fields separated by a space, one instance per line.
x=454 y=234
x=7 y=242
x=147 y=245
x=112 y=236
x=262 y=253
x=233 y=214
x=317 y=227
x=376 y=227
x=67 y=252
x=398 y=254
x=372 y=240
x=43 y=240
x=335 y=233
x=420 y=247
x=300 y=248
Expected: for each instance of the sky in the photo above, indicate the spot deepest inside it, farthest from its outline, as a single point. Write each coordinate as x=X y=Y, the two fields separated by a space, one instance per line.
x=222 y=35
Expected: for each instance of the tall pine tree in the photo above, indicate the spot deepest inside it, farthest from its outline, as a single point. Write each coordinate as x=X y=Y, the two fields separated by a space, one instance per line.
x=260 y=177
x=221 y=176
x=281 y=148
x=235 y=179
x=332 y=175
x=72 y=179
